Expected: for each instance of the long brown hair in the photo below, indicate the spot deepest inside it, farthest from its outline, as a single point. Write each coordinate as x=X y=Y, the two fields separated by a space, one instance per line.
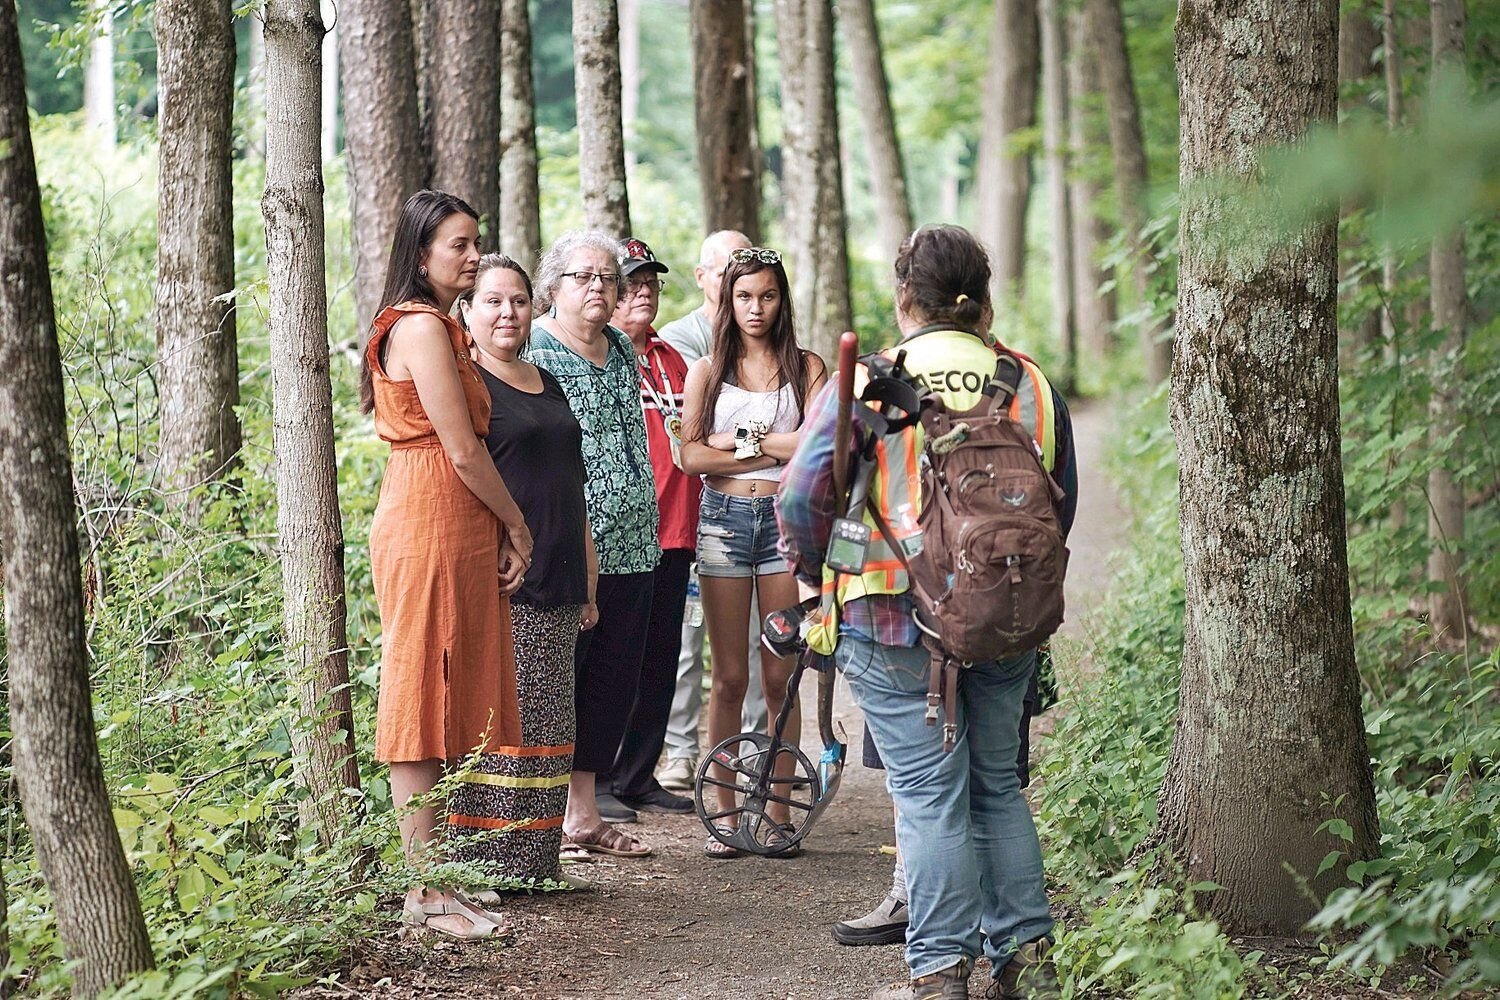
x=729 y=345
x=404 y=281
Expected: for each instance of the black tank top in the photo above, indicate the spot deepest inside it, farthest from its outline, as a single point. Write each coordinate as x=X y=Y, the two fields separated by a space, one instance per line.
x=537 y=447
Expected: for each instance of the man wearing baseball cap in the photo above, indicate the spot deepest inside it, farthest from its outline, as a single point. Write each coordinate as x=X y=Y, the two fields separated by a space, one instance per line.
x=631 y=784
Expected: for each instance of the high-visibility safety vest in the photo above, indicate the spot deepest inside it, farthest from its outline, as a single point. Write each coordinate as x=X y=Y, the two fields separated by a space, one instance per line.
x=957 y=366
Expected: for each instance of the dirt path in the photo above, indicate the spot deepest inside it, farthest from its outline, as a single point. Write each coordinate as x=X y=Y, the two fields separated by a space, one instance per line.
x=680 y=926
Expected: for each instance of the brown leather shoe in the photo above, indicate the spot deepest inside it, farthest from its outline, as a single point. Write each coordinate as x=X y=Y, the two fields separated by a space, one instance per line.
x=951 y=983
x=1027 y=976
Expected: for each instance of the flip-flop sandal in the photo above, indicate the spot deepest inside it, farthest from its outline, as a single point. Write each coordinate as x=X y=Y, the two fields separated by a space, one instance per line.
x=605 y=839
x=720 y=851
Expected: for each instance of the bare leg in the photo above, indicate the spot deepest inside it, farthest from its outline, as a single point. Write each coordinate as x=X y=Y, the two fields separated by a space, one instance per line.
x=420 y=829
x=726 y=611
x=776 y=591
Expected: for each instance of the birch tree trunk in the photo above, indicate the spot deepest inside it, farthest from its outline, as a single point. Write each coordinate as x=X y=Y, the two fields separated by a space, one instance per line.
x=329 y=143
x=724 y=116
x=1093 y=306
x=463 y=103
x=198 y=363
x=1445 y=497
x=381 y=127
x=1128 y=146
x=99 y=79
x=1269 y=730
x=1055 y=129
x=55 y=755
x=311 y=533
x=813 y=174
x=1003 y=187
x=520 y=211
x=601 y=136
x=873 y=96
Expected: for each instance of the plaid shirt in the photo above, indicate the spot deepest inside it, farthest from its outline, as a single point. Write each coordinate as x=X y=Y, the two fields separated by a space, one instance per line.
x=805 y=512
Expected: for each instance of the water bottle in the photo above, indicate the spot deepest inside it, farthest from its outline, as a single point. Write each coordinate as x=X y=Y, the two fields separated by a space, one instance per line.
x=693 y=613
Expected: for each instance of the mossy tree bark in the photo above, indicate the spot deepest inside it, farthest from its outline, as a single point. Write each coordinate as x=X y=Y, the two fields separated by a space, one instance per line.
x=385 y=161
x=198 y=381
x=55 y=753
x=813 y=174
x=1270 y=741
x=311 y=533
x=873 y=96
x=1450 y=304
x=520 y=229
x=724 y=116
x=601 y=134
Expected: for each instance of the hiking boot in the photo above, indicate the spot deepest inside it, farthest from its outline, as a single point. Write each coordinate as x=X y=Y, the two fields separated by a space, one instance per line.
x=677 y=774
x=1028 y=975
x=886 y=924
x=951 y=983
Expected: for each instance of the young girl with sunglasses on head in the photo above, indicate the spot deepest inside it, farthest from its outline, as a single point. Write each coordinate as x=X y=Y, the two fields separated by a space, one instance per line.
x=742 y=414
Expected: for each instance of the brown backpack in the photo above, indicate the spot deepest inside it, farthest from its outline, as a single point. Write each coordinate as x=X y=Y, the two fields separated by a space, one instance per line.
x=988 y=581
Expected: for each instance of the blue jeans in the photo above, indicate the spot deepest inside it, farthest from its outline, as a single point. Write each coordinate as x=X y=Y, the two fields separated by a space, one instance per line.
x=971 y=851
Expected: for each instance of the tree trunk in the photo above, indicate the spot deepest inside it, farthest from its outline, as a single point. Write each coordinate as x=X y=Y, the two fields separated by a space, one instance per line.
x=601 y=136
x=1128 y=146
x=462 y=108
x=520 y=208
x=724 y=116
x=873 y=96
x=54 y=754
x=1094 y=307
x=630 y=73
x=813 y=174
x=255 y=91
x=1004 y=171
x=311 y=547
x=1390 y=275
x=1269 y=731
x=198 y=364
x=381 y=127
x=1358 y=39
x=329 y=144
x=99 y=79
x=1445 y=496
x=1055 y=129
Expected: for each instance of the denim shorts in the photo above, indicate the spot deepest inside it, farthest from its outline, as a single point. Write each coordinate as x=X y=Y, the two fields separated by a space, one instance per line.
x=737 y=535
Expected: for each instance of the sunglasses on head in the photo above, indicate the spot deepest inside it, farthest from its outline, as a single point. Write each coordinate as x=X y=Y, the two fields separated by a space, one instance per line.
x=746 y=255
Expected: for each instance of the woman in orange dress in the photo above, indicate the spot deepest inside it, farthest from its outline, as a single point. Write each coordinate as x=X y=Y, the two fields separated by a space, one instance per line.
x=448 y=544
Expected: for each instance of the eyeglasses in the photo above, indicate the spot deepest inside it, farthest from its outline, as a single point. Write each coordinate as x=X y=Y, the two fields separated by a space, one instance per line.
x=583 y=279
x=745 y=255
x=633 y=288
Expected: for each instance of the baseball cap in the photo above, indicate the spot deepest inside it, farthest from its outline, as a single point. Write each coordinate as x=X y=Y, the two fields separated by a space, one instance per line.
x=638 y=256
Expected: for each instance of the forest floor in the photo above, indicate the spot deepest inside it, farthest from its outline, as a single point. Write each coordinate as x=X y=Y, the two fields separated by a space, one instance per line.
x=677 y=925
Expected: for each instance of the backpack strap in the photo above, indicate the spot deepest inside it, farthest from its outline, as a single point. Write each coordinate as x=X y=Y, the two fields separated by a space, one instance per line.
x=1004 y=384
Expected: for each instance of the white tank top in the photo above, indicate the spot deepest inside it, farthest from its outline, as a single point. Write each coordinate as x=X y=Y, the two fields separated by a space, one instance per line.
x=777 y=410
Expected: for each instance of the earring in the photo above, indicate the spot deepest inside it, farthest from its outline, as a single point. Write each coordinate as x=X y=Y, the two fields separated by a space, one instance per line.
x=422 y=270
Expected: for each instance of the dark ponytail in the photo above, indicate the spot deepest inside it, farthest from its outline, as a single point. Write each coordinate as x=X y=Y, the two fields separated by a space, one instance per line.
x=943 y=276
x=420 y=218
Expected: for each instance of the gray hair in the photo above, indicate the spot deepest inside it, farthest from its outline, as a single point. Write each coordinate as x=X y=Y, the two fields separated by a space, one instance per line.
x=549 y=271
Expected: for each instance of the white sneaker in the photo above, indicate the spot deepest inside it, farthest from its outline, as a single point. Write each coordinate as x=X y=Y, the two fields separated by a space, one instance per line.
x=677 y=774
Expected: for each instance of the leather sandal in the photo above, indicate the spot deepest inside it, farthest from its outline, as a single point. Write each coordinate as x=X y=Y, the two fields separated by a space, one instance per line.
x=720 y=851
x=605 y=839
x=480 y=902
x=418 y=917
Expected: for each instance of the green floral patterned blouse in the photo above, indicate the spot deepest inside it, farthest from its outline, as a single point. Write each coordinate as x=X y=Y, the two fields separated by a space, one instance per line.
x=620 y=491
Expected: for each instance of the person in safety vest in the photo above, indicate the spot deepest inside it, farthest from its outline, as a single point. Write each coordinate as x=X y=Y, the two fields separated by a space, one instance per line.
x=970 y=848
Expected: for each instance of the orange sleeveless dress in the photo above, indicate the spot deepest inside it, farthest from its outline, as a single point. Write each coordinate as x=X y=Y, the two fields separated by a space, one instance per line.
x=447 y=667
